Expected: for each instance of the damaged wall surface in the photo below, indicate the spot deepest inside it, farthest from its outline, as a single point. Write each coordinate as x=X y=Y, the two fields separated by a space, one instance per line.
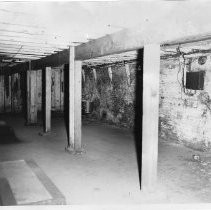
x=111 y=91
x=13 y=91
x=185 y=115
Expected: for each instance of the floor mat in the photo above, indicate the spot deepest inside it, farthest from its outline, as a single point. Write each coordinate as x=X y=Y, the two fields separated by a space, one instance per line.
x=28 y=183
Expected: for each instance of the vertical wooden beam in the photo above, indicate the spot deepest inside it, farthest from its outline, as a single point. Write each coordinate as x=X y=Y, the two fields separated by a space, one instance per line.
x=75 y=68
x=31 y=97
x=151 y=73
x=57 y=88
x=39 y=90
x=77 y=106
x=53 y=90
x=28 y=73
x=71 y=96
x=7 y=93
x=62 y=89
x=47 y=102
x=1 y=93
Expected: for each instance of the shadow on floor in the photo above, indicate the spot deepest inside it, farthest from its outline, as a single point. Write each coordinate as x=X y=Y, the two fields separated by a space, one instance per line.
x=7 y=134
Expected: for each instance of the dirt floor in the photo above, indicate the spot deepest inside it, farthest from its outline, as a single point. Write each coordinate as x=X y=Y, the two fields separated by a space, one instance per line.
x=107 y=172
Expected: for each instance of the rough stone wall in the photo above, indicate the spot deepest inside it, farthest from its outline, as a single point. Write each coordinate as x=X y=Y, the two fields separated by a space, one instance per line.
x=185 y=117
x=111 y=93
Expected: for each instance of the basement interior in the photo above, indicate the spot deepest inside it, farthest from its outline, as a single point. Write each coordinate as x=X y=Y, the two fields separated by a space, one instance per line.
x=105 y=103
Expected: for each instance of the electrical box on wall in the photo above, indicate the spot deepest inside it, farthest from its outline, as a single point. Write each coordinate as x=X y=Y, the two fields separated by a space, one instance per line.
x=195 y=80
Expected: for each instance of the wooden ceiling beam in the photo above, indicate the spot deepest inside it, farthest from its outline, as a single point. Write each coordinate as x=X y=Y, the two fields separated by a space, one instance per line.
x=119 y=42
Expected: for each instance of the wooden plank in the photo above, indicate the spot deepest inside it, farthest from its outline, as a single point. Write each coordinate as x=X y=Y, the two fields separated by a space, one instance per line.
x=12 y=93
x=134 y=39
x=28 y=95
x=47 y=92
x=71 y=96
x=53 y=90
x=1 y=94
x=77 y=106
x=151 y=73
x=39 y=90
x=16 y=92
x=62 y=89
x=57 y=89
x=19 y=98
x=31 y=97
x=74 y=103
x=7 y=93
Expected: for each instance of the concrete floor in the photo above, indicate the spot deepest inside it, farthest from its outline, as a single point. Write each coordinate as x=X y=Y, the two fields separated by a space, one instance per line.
x=107 y=172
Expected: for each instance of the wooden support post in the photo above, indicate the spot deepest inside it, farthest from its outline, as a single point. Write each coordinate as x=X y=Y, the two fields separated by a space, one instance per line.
x=77 y=106
x=7 y=93
x=57 y=88
x=71 y=96
x=47 y=102
x=151 y=74
x=1 y=94
x=31 y=97
x=75 y=68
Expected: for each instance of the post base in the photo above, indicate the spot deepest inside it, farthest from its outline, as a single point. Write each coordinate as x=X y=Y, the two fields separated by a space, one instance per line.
x=71 y=150
x=31 y=124
x=44 y=133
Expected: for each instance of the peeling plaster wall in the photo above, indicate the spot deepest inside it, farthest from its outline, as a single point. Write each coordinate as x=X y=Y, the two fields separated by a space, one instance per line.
x=185 y=118
x=182 y=118
x=111 y=91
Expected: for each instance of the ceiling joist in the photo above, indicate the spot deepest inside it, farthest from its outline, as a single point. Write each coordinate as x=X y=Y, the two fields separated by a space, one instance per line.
x=24 y=53
x=34 y=43
x=29 y=46
x=22 y=25
x=23 y=49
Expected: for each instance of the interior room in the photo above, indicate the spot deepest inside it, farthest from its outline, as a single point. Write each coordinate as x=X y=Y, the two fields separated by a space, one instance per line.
x=105 y=103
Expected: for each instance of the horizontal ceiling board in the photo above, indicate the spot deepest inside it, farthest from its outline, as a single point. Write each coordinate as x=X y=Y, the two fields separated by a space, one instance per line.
x=34 y=43
x=21 y=53
x=22 y=25
x=23 y=49
x=21 y=37
x=21 y=32
x=30 y=45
